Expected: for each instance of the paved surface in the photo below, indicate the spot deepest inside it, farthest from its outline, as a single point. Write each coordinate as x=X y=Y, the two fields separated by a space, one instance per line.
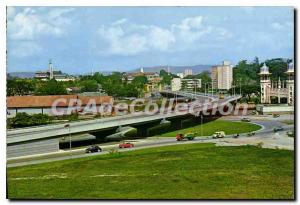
x=265 y=138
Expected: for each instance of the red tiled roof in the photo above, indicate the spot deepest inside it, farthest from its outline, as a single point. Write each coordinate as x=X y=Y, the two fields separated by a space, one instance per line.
x=47 y=101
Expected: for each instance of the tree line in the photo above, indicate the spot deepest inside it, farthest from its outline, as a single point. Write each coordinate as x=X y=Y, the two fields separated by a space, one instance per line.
x=245 y=74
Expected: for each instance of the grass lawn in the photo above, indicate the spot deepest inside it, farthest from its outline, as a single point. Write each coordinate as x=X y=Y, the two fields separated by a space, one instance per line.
x=229 y=127
x=191 y=171
x=288 y=122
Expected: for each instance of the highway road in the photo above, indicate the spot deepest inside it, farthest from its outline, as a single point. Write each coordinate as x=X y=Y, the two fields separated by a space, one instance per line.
x=266 y=136
x=54 y=131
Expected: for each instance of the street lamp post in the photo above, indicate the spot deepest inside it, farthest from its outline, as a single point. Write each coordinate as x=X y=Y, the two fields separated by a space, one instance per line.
x=195 y=89
x=70 y=137
x=240 y=87
x=201 y=117
x=234 y=89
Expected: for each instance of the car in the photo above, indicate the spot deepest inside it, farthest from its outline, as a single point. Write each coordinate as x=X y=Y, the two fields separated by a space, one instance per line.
x=276 y=115
x=188 y=136
x=126 y=145
x=219 y=134
x=254 y=112
x=245 y=119
x=278 y=128
x=236 y=135
x=93 y=148
x=250 y=134
x=290 y=133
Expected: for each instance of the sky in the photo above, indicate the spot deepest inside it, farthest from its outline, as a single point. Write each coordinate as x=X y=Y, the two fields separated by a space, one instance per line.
x=82 y=39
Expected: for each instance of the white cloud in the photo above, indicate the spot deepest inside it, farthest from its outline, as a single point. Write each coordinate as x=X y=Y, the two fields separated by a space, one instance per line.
x=29 y=23
x=131 y=39
x=26 y=26
x=160 y=38
x=120 y=21
x=125 y=38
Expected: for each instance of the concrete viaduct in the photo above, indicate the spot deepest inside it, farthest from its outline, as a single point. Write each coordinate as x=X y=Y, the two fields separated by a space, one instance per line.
x=43 y=139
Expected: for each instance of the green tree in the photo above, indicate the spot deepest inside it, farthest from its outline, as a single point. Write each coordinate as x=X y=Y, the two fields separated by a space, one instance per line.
x=205 y=77
x=51 y=87
x=89 y=85
x=166 y=77
x=277 y=67
x=20 y=87
x=139 y=81
x=247 y=91
x=23 y=119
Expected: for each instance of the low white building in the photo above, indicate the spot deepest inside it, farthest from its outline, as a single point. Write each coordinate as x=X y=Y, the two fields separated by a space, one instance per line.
x=190 y=84
x=185 y=84
x=180 y=75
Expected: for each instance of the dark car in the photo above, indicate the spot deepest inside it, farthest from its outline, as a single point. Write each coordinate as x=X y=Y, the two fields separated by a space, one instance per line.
x=236 y=135
x=93 y=148
x=278 y=128
x=245 y=119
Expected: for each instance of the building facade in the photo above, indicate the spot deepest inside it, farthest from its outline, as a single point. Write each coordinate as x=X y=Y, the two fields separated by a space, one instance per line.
x=185 y=84
x=279 y=89
x=52 y=74
x=188 y=72
x=222 y=76
x=153 y=79
x=44 y=104
x=176 y=84
x=180 y=75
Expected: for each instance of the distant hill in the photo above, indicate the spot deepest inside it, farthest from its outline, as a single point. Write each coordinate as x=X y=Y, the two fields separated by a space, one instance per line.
x=176 y=69
x=21 y=74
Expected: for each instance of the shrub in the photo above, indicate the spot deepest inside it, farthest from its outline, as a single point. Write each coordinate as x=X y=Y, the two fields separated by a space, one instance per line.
x=23 y=119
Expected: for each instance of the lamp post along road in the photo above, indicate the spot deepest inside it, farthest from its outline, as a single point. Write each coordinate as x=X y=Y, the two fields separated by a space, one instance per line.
x=70 y=137
x=201 y=117
x=240 y=87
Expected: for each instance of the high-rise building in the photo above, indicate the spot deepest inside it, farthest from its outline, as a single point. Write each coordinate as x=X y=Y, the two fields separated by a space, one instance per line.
x=188 y=72
x=176 y=84
x=221 y=76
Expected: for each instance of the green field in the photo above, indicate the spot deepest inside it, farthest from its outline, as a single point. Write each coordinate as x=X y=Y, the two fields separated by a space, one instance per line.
x=288 y=122
x=191 y=171
x=229 y=127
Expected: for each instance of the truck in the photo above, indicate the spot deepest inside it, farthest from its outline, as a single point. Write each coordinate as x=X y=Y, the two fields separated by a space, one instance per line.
x=219 y=134
x=221 y=95
x=188 y=136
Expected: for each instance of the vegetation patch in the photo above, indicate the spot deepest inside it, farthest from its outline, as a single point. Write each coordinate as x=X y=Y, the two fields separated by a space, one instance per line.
x=209 y=128
x=288 y=122
x=194 y=171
